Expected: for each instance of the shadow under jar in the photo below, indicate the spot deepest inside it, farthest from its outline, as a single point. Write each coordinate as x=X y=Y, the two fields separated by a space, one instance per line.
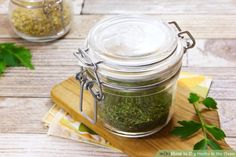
x=130 y=64
x=40 y=20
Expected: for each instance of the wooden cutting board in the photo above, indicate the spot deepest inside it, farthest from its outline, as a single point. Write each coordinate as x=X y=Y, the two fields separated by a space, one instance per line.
x=66 y=95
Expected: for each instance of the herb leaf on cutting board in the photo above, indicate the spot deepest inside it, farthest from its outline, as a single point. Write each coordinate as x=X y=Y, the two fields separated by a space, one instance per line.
x=12 y=55
x=187 y=129
x=211 y=133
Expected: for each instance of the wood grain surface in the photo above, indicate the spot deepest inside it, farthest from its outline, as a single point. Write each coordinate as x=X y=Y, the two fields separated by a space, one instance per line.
x=41 y=145
x=24 y=94
x=206 y=7
x=201 y=26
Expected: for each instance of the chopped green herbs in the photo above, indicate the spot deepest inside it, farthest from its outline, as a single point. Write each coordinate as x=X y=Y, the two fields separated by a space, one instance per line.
x=13 y=56
x=136 y=111
x=211 y=133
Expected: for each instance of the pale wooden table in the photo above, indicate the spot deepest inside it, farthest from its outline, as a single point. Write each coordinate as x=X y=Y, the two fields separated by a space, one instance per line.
x=24 y=94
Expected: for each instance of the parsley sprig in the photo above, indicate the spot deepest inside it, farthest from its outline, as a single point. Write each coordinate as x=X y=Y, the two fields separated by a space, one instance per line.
x=211 y=133
x=12 y=55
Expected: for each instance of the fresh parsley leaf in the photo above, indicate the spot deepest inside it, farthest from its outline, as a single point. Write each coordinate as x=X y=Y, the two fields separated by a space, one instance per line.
x=12 y=55
x=201 y=145
x=213 y=145
x=187 y=129
x=193 y=98
x=217 y=133
x=210 y=103
x=24 y=56
x=204 y=143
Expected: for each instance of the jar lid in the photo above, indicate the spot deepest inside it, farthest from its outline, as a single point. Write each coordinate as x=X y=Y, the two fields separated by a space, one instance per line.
x=132 y=41
x=134 y=48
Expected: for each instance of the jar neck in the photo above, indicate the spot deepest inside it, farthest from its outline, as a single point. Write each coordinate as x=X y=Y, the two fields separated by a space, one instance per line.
x=139 y=85
x=31 y=4
x=34 y=4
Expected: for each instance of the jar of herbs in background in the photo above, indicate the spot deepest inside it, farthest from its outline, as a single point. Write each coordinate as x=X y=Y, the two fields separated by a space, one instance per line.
x=40 y=20
x=130 y=65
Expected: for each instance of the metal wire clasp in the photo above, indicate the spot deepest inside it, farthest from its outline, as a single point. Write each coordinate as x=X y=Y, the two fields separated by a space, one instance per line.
x=181 y=34
x=88 y=84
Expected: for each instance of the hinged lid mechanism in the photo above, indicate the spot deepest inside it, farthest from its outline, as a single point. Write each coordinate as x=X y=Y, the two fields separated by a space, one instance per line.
x=134 y=48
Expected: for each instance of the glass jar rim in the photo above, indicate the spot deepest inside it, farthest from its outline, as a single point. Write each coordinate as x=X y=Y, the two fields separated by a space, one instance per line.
x=28 y=3
x=33 y=4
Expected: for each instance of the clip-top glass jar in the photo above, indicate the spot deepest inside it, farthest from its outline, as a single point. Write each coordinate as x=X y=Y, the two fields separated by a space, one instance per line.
x=130 y=64
x=40 y=20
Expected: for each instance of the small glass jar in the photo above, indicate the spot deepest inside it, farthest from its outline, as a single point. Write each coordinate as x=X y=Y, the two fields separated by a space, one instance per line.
x=130 y=64
x=40 y=20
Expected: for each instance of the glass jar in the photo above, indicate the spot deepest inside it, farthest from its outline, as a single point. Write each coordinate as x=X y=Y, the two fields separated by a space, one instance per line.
x=40 y=20
x=130 y=64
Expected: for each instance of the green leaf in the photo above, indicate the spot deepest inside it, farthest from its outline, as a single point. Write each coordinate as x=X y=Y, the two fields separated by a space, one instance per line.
x=84 y=128
x=12 y=55
x=210 y=103
x=187 y=129
x=24 y=57
x=2 y=67
x=217 y=133
x=193 y=98
x=201 y=145
x=213 y=145
x=6 y=56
